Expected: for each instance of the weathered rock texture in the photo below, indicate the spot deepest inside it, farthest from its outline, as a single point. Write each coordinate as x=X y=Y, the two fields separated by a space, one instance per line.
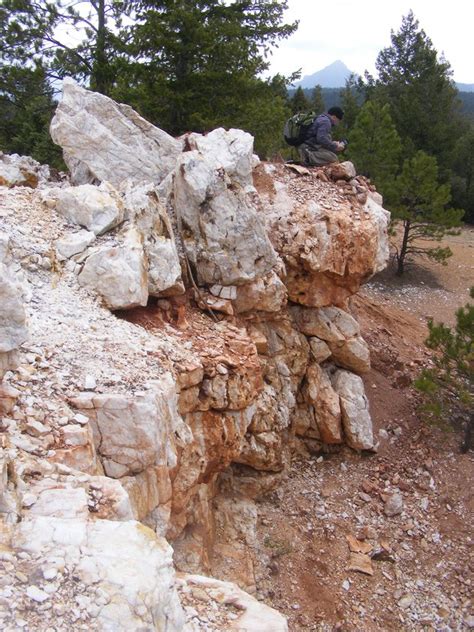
x=104 y=140
x=181 y=416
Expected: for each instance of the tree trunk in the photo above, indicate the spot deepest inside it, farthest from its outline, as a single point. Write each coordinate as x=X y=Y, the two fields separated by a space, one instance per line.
x=100 y=73
x=403 y=250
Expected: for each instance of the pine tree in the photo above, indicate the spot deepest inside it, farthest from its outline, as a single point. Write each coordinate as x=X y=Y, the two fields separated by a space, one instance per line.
x=420 y=91
x=30 y=33
x=421 y=206
x=26 y=109
x=299 y=102
x=448 y=388
x=374 y=146
x=316 y=102
x=199 y=59
x=351 y=99
x=463 y=172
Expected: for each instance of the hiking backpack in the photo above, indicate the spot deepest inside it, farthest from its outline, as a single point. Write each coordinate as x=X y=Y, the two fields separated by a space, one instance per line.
x=296 y=128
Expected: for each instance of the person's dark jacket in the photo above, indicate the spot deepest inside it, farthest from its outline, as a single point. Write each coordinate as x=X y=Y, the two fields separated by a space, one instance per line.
x=319 y=134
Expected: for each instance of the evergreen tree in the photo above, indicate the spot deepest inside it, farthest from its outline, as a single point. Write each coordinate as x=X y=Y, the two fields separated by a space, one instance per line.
x=374 y=146
x=421 y=207
x=199 y=59
x=316 y=103
x=26 y=109
x=351 y=97
x=299 y=102
x=463 y=173
x=29 y=33
x=420 y=91
x=448 y=388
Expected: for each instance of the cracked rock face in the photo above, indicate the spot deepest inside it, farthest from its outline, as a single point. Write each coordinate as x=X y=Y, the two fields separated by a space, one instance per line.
x=104 y=140
x=124 y=569
x=182 y=415
x=221 y=231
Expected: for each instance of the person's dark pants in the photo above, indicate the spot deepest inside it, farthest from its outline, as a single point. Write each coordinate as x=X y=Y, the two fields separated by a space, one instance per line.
x=316 y=156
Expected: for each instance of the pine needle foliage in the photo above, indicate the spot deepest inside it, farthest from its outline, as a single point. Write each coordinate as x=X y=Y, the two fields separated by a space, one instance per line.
x=448 y=387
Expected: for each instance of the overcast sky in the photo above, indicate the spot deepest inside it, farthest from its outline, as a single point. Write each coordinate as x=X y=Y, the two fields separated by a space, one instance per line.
x=354 y=31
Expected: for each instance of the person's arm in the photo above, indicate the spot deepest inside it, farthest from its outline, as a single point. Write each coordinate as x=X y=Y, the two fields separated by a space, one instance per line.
x=323 y=135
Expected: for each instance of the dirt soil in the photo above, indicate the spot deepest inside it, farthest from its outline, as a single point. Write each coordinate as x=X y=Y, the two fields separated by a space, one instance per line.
x=415 y=568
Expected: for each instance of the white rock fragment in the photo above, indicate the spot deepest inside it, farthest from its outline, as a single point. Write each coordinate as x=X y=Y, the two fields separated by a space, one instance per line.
x=96 y=208
x=356 y=418
x=36 y=594
x=74 y=244
x=393 y=505
x=104 y=140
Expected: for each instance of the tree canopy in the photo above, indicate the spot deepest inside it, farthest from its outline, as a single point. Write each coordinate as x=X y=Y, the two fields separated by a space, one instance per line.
x=420 y=91
x=421 y=205
x=184 y=65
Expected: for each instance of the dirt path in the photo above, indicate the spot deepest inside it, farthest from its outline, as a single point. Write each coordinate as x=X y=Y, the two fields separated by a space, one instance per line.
x=422 y=558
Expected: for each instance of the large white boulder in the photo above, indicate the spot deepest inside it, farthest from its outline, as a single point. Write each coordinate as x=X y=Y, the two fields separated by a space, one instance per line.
x=96 y=208
x=118 y=273
x=105 y=140
x=125 y=572
x=222 y=233
x=231 y=150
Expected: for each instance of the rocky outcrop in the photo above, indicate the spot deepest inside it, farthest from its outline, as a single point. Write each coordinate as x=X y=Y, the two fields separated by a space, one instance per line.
x=330 y=241
x=181 y=415
x=125 y=572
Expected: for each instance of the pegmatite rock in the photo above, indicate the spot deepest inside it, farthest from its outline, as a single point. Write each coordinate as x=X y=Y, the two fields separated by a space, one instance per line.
x=96 y=208
x=74 y=243
x=126 y=572
x=356 y=418
x=322 y=418
x=105 y=140
x=13 y=329
x=23 y=171
x=230 y=150
x=146 y=211
x=222 y=234
x=133 y=432
x=328 y=245
x=118 y=273
x=253 y=616
x=339 y=330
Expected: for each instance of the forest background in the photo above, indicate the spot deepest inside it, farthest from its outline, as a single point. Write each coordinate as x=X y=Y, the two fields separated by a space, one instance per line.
x=196 y=65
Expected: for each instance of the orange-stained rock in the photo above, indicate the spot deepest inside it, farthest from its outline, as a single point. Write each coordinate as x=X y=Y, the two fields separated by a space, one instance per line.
x=329 y=242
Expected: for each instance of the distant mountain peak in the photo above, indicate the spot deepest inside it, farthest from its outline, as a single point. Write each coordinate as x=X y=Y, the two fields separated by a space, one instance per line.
x=332 y=76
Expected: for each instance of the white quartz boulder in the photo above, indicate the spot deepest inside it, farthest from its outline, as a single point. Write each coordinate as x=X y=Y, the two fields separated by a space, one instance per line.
x=125 y=573
x=356 y=419
x=105 y=140
x=118 y=273
x=96 y=208
x=221 y=231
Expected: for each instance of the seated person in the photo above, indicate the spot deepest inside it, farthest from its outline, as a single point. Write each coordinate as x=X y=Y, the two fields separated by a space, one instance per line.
x=319 y=149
